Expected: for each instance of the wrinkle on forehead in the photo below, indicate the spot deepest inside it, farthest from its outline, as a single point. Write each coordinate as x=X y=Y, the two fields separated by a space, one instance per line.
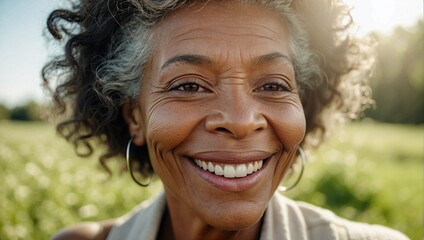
x=228 y=20
x=219 y=35
x=242 y=33
x=225 y=29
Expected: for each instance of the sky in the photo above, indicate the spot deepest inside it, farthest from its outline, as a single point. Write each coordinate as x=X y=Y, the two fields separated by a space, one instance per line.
x=24 y=50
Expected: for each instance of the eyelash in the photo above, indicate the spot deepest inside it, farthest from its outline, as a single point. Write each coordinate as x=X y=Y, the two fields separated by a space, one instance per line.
x=281 y=87
x=180 y=84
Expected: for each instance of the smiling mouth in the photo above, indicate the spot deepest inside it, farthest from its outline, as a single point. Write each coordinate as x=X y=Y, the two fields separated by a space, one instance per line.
x=230 y=170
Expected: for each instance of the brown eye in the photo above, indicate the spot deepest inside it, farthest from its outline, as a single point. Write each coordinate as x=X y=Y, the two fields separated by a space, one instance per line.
x=189 y=87
x=271 y=87
x=274 y=87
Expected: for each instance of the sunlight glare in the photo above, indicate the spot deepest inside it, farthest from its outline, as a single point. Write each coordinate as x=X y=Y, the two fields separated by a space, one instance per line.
x=384 y=15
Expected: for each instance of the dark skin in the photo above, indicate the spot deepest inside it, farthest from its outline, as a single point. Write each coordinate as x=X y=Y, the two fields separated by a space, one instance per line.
x=223 y=75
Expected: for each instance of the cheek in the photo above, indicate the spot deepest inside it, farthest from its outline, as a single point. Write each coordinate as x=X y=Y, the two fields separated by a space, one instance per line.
x=289 y=124
x=168 y=125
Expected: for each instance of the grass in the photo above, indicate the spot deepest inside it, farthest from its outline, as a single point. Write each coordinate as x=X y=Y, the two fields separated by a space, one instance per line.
x=367 y=172
x=372 y=173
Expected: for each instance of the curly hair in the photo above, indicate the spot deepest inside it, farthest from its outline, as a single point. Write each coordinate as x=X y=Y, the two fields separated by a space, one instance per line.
x=108 y=44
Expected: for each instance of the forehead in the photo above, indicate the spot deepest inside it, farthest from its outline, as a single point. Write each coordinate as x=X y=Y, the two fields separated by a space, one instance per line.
x=214 y=29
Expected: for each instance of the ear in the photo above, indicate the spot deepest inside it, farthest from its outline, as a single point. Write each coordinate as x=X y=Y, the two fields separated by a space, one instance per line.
x=132 y=116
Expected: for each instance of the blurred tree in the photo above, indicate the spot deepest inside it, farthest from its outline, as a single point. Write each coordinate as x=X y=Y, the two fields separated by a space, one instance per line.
x=4 y=112
x=398 y=84
x=27 y=112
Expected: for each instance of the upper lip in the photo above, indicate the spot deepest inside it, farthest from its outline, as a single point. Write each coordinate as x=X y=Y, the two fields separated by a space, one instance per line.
x=232 y=157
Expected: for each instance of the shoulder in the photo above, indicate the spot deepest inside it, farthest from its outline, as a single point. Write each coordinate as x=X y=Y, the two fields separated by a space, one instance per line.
x=322 y=221
x=317 y=223
x=142 y=222
x=85 y=231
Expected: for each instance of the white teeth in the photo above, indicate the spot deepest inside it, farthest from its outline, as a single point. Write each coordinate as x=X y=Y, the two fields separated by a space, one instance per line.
x=204 y=166
x=211 y=168
x=230 y=170
x=241 y=170
x=249 y=168
x=218 y=170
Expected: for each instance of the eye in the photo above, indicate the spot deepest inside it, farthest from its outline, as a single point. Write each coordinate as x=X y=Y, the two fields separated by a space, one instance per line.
x=274 y=87
x=190 y=86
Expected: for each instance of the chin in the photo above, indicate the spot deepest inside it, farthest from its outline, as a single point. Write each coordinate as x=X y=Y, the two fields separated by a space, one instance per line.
x=234 y=217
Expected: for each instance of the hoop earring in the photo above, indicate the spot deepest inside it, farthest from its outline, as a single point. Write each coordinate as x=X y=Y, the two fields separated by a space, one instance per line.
x=127 y=156
x=302 y=158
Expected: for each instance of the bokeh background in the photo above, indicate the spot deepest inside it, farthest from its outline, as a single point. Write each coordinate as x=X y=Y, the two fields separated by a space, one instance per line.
x=370 y=170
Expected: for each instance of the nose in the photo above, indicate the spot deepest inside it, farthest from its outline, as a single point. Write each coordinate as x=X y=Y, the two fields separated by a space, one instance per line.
x=238 y=117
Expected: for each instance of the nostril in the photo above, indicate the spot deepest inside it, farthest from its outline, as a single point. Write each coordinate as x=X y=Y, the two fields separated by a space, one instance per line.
x=238 y=124
x=221 y=129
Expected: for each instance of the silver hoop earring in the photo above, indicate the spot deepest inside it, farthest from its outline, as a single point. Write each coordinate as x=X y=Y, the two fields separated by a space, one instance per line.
x=127 y=155
x=302 y=158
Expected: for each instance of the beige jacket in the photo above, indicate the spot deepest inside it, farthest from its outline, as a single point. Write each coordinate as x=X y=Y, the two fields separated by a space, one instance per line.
x=284 y=219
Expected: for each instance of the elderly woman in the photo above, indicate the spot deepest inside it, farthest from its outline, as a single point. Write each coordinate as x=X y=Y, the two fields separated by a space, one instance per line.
x=215 y=98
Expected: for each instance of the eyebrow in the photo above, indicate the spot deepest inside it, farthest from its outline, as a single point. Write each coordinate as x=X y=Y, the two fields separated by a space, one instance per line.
x=202 y=60
x=268 y=58
x=187 y=58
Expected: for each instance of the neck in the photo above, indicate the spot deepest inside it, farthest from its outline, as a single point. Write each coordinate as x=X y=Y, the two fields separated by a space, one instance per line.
x=180 y=222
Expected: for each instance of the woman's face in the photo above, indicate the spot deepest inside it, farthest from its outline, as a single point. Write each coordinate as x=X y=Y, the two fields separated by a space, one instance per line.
x=220 y=91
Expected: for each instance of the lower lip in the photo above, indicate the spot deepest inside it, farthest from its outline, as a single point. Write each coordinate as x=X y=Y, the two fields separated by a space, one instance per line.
x=231 y=184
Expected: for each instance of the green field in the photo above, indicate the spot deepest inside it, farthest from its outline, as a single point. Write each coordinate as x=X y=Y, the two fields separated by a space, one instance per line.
x=367 y=172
